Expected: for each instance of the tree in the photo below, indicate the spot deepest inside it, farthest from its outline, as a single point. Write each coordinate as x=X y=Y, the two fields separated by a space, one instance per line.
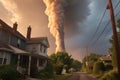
x=76 y=65
x=61 y=60
x=112 y=49
x=99 y=67
x=91 y=59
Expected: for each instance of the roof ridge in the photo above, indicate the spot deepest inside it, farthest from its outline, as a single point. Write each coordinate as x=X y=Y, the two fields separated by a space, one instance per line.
x=7 y=27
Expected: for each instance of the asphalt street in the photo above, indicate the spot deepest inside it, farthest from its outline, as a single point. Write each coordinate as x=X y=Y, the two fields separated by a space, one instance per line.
x=81 y=76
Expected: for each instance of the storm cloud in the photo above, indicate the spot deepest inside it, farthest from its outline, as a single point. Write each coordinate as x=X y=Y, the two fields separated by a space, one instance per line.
x=76 y=12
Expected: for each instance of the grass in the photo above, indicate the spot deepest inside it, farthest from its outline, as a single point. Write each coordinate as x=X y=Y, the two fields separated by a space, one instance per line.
x=111 y=75
x=62 y=77
x=107 y=75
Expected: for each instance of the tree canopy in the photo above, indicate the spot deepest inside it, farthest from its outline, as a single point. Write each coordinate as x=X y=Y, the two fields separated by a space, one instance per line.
x=61 y=60
x=88 y=61
x=112 y=49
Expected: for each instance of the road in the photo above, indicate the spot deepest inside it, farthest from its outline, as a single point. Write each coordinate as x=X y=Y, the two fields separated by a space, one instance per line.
x=84 y=76
x=80 y=76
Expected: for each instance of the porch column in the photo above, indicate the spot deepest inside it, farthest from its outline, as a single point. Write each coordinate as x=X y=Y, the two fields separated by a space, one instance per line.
x=38 y=63
x=18 y=62
x=3 y=58
x=29 y=64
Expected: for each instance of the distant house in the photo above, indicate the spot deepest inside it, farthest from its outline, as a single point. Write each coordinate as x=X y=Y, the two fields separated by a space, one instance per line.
x=25 y=52
x=106 y=58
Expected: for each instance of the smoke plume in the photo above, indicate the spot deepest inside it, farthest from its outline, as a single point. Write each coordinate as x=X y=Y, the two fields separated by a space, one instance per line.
x=55 y=12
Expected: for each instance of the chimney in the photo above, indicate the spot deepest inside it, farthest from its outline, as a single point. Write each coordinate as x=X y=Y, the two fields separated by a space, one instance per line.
x=29 y=33
x=15 y=26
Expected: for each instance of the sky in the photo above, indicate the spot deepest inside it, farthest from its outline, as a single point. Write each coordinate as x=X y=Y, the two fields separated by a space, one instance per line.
x=80 y=24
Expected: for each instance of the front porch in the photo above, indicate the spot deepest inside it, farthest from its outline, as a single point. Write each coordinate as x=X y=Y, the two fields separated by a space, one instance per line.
x=27 y=64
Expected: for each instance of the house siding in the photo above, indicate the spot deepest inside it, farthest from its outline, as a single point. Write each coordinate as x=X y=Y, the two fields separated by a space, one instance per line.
x=4 y=36
x=6 y=56
x=33 y=48
x=37 y=49
x=14 y=42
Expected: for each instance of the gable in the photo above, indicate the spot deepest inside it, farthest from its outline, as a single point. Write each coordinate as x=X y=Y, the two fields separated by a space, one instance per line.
x=45 y=42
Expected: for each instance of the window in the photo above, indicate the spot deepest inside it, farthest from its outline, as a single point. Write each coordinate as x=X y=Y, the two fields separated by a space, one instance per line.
x=44 y=49
x=1 y=59
x=18 y=43
x=40 y=47
x=34 y=50
x=4 y=61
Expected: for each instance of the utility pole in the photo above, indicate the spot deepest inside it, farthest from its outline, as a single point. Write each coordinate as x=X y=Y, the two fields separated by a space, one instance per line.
x=87 y=64
x=115 y=36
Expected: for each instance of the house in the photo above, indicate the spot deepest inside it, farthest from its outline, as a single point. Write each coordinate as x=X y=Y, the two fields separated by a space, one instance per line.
x=106 y=58
x=25 y=52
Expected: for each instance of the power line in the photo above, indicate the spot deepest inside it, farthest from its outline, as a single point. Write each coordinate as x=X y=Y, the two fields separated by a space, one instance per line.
x=107 y=23
x=91 y=39
x=97 y=27
x=117 y=14
x=102 y=32
x=105 y=28
x=117 y=4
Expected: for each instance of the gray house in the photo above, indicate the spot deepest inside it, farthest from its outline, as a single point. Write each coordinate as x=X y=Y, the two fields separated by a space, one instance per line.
x=25 y=52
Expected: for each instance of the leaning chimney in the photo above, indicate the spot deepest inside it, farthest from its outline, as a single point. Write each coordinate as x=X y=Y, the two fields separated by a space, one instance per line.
x=15 y=26
x=29 y=32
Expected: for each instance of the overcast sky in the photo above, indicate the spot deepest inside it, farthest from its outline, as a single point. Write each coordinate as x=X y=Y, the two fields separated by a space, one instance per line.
x=81 y=19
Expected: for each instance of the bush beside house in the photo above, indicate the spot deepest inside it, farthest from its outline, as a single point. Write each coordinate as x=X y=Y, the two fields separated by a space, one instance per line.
x=8 y=72
x=46 y=73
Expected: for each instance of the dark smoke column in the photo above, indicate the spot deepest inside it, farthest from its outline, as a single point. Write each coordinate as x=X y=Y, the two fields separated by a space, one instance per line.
x=55 y=12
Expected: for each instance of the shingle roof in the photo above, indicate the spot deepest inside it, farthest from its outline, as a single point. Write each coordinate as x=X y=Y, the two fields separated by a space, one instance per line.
x=5 y=26
x=106 y=58
x=38 y=40
x=14 y=50
x=17 y=50
x=5 y=48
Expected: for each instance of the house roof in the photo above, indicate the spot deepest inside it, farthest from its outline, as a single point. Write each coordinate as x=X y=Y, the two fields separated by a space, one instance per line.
x=17 y=50
x=106 y=58
x=13 y=49
x=39 y=40
x=5 y=48
x=6 y=27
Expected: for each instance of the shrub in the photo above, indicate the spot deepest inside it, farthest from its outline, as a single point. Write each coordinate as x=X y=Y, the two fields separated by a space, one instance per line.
x=34 y=71
x=45 y=73
x=58 y=68
x=8 y=72
x=48 y=71
x=111 y=75
x=98 y=68
x=108 y=67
